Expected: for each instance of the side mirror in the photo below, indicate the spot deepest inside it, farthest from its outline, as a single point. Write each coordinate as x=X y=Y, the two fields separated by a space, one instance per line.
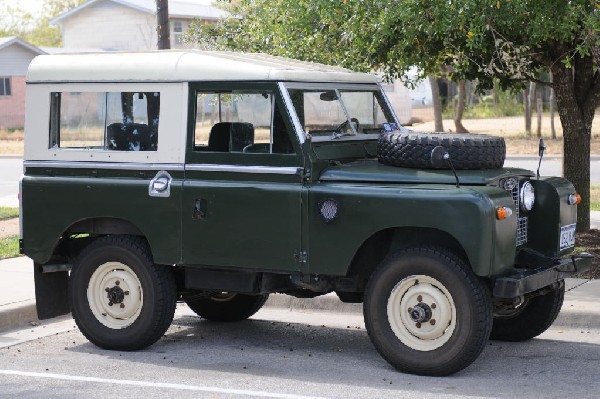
x=542 y=148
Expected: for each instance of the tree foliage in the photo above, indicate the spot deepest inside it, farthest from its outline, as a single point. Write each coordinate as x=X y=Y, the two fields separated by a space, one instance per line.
x=32 y=28
x=480 y=40
x=505 y=41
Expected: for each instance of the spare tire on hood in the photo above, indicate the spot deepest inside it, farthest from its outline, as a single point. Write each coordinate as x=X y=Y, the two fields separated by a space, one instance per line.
x=467 y=151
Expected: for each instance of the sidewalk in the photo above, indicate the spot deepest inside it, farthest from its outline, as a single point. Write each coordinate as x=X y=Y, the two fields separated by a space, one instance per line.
x=17 y=299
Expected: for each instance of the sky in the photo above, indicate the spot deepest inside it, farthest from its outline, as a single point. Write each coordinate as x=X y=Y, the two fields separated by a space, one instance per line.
x=33 y=6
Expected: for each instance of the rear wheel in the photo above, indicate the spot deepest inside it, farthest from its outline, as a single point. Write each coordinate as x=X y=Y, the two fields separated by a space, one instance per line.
x=534 y=316
x=119 y=298
x=426 y=312
x=224 y=306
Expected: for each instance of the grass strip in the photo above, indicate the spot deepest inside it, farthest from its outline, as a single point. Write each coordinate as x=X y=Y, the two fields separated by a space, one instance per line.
x=8 y=213
x=9 y=247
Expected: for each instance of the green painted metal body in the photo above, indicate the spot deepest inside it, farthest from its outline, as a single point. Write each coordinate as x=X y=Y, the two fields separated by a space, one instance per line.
x=266 y=221
x=56 y=199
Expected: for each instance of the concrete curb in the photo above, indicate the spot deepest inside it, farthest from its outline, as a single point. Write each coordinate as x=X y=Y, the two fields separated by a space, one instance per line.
x=11 y=155
x=18 y=313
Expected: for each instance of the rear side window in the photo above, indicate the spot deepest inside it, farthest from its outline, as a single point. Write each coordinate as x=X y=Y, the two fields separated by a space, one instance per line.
x=112 y=121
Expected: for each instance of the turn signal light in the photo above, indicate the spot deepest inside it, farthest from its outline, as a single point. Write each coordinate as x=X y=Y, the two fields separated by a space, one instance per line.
x=503 y=212
x=574 y=199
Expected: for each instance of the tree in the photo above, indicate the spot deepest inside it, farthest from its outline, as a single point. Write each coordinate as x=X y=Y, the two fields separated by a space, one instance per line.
x=35 y=30
x=507 y=40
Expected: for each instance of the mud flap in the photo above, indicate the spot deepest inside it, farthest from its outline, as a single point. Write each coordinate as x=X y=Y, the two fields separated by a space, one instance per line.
x=51 y=292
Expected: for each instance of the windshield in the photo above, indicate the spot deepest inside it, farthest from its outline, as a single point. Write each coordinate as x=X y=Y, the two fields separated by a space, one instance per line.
x=333 y=113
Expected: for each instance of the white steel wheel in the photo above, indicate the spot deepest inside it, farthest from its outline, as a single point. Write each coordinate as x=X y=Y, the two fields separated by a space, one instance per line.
x=115 y=295
x=426 y=312
x=119 y=298
x=421 y=312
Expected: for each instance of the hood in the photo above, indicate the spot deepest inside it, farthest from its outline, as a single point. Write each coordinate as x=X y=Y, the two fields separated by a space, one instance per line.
x=372 y=171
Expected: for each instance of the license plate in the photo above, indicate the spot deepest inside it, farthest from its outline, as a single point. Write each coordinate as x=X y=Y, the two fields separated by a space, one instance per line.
x=567 y=236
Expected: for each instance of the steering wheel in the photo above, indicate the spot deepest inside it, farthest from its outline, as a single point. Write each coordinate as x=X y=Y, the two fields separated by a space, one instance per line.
x=344 y=125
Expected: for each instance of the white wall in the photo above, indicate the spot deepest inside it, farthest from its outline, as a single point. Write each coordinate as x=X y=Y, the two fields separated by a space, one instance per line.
x=109 y=25
x=14 y=60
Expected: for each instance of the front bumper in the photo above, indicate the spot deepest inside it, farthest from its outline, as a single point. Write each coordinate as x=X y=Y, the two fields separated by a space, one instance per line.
x=529 y=280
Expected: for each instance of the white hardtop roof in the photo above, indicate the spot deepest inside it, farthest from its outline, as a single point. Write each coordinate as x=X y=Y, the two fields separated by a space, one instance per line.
x=184 y=65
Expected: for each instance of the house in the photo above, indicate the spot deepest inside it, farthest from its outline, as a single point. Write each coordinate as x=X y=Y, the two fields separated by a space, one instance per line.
x=15 y=56
x=130 y=24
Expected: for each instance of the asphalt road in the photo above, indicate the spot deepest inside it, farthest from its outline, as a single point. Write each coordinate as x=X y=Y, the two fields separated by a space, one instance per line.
x=284 y=354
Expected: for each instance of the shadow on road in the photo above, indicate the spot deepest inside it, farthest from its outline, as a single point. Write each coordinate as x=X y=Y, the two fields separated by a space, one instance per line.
x=301 y=353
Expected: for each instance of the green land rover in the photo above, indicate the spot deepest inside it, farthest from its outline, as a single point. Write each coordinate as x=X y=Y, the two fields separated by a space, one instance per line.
x=219 y=178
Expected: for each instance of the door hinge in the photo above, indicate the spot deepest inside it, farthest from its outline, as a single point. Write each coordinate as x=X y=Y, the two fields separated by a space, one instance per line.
x=304 y=173
x=301 y=257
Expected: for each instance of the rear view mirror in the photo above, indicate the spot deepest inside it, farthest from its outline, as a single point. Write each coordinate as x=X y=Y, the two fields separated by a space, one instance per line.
x=328 y=96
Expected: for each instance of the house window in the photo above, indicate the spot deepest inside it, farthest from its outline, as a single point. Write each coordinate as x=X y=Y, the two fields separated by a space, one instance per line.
x=117 y=121
x=5 y=87
x=178 y=32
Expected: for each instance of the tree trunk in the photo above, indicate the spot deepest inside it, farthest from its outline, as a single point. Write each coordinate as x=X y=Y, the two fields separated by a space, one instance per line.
x=531 y=102
x=437 y=104
x=540 y=108
x=460 y=108
x=527 y=109
x=162 y=19
x=552 y=101
x=576 y=111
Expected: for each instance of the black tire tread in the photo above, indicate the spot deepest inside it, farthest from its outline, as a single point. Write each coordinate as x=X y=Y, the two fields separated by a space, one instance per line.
x=238 y=308
x=166 y=292
x=467 y=151
x=539 y=314
x=483 y=305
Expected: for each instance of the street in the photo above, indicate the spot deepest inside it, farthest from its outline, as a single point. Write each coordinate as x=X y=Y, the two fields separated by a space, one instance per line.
x=284 y=354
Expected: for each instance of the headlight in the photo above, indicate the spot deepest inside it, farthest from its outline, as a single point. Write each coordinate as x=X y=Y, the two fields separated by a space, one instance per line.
x=527 y=196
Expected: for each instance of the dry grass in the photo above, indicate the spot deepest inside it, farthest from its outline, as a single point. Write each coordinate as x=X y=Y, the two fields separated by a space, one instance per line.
x=11 y=141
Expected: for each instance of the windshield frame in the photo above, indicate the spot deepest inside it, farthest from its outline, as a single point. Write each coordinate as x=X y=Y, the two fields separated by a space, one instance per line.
x=337 y=88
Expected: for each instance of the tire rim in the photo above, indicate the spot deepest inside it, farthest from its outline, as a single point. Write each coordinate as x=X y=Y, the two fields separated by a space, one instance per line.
x=115 y=295
x=507 y=312
x=421 y=313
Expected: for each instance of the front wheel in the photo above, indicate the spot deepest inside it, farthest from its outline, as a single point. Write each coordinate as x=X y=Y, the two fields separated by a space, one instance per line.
x=534 y=316
x=120 y=299
x=426 y=312
x=224 y=306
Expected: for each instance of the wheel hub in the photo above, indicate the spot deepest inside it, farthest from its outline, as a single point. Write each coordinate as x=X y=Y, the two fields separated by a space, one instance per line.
x=421 y=313
x=115 y=295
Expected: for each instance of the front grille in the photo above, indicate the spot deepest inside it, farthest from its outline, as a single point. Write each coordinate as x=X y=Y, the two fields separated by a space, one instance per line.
x=513 y=188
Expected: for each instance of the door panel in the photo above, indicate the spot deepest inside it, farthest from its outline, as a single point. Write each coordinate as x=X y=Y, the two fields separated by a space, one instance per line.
x=245 y=220
x=242 y=192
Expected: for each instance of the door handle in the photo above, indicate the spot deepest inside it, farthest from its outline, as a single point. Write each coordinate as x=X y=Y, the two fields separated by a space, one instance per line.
x=160 y=185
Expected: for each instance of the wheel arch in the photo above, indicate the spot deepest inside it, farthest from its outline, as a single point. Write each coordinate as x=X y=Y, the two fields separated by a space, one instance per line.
x=67 y=247
x=379 y=245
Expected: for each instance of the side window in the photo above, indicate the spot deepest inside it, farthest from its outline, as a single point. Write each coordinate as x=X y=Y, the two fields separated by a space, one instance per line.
x=115 y=121
x=246 y=122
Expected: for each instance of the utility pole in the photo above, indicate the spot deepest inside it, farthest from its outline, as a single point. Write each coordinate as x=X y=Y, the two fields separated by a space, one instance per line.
x=162 y=29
